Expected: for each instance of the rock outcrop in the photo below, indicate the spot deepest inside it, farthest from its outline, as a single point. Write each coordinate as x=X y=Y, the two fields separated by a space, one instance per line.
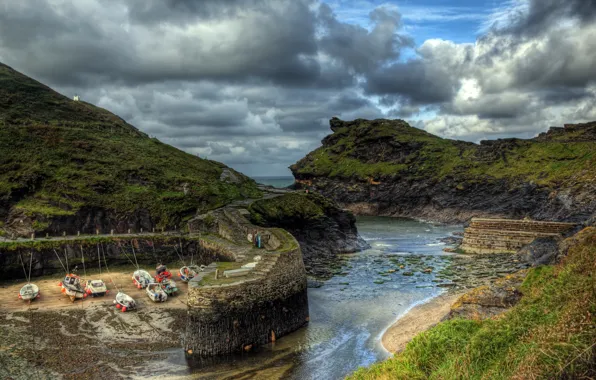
x=385 y=167
x=489 y=300
x=322 y=228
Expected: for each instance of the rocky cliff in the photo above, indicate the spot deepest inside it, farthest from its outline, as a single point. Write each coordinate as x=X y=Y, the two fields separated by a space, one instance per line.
x=69 y=166
x=386 y=167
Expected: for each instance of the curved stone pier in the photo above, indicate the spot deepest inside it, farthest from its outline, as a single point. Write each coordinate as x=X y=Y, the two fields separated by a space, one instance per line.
x=268 y=303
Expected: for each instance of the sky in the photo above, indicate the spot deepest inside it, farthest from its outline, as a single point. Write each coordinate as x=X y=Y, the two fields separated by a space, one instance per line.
x=253 y=83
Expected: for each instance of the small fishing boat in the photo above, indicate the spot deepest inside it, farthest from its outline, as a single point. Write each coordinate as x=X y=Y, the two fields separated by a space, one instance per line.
x=124 y=302
x=187 y=273
x=29 y=292
x=156 y=292
x=169 y=286
x=72 y=287
x=96 y=288
x=141 y=278
x=161 y=273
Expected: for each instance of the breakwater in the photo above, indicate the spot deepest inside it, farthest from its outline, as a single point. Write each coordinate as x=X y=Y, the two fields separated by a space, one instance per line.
x=226 y=317
x=507 y=235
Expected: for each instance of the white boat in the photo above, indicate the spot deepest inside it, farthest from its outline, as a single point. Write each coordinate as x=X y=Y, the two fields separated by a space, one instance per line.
x=72 y=287
x=141 y=278
x=29 y=292
x=124 y=302
x=187 y=273
x=156 y=292
x=96 y=288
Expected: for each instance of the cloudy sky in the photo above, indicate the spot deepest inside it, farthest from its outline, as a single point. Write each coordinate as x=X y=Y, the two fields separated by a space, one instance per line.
x=253 y=83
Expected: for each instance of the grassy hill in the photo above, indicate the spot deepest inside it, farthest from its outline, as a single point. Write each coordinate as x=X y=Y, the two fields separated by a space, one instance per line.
x=382 y=149
x=62 y=162
x=399 y=170
x=550 y=334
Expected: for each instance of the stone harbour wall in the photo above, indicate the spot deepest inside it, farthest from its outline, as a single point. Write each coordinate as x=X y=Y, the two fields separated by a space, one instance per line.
x=507 y=235
x=229 y=318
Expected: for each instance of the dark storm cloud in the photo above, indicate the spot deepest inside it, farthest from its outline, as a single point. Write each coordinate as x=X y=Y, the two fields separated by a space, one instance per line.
x=358 y=48
x=415 y=81
x=80 y=43
x=542 y=14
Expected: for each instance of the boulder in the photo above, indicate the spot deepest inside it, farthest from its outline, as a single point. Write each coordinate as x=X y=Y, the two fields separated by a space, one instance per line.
x=542 y=251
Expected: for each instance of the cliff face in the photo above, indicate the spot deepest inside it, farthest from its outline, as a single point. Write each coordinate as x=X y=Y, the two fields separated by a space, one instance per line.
x=386 y=167
x=322 y=228
x=69 y=166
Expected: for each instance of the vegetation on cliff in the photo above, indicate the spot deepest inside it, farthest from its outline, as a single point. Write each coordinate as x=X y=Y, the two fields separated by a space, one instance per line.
x=288 y=208
x=382 y=149
x=58 y=157
x=549 y=334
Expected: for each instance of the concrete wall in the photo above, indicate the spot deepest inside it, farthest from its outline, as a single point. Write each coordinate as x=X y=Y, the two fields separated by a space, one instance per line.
x=507 y=235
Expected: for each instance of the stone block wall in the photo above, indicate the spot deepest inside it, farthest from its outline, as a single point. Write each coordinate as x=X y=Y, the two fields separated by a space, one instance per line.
x=507 y=235
x=233 y=317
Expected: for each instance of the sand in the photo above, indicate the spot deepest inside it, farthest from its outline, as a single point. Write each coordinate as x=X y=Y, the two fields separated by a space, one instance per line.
x=417 y=320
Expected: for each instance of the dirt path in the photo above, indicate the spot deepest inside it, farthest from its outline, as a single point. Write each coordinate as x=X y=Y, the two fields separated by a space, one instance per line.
x=52 y=299
x=417 y=320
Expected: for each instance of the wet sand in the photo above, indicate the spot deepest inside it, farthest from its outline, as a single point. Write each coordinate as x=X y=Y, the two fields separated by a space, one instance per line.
x=87 y=339
x=417 y=320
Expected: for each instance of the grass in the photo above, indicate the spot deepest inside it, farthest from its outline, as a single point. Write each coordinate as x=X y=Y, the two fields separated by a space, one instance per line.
x=58 y=157
x=389 y=150
x=549 y=334
x=288 y=207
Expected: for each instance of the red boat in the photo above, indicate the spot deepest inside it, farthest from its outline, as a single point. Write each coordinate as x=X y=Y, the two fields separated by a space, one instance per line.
x=161 y=273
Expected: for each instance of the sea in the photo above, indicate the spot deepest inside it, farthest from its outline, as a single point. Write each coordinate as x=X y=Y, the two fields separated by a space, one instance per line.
x=348 y=313
x=279 y=182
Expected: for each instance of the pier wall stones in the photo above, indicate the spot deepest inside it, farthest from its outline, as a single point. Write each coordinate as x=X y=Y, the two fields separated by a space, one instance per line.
x=229 y=318
x=508 y=235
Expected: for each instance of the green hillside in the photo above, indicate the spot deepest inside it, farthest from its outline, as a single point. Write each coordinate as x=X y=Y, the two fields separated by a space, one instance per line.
x=391 y=149
x=59 y=158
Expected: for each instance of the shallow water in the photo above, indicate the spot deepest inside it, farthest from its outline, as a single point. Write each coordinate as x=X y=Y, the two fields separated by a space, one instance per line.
x=349 y=312
x=279 y=181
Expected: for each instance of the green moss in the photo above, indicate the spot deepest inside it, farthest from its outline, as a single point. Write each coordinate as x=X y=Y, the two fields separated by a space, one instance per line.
x=548 y=334
x=287 y=207
x=32 y=206
x=39 y=226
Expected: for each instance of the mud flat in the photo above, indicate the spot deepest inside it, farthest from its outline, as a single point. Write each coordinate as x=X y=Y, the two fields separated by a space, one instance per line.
x=54 y=337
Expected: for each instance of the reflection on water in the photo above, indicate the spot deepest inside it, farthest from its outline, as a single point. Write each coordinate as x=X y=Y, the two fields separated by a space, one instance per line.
x=349 y=313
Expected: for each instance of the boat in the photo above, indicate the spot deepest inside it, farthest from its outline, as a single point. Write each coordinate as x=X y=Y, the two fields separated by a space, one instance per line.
x=72 y=287
x=29 y=292
x=96 y=288
x=156 y=292
x=124 y=302
x=187 y=273
x=169 y=286
x=141 y=278
x=161 y=273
